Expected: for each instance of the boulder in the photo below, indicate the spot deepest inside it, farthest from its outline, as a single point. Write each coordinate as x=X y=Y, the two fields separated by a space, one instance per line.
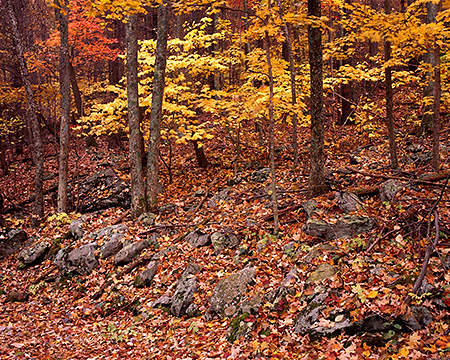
x=260 y=176
x=11 y=240
x=347 y=202
x=112 y=246
x=198 y=239
x=145 y=277
x=163 y=301
x=34 y=254
x=323 y=271
x=389 y=190
x=220 y=196
x=102 y=190
x=128 y=253
x=228 y=293
x=343 y=227
x=82 y=260
x=76 y=228
x=224 y=240
x=310 y=207
x=417 y=318
x=184 y=294
x=147 y=219
x=108 y=231
x=16 y=296
x=309 y=315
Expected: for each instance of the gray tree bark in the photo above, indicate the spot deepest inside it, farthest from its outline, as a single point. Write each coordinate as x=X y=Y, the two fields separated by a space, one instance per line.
x=156 y=108
x=138 y=199
x=64 y=86
x=316 y=184
x=32 y=122
x=389 y=97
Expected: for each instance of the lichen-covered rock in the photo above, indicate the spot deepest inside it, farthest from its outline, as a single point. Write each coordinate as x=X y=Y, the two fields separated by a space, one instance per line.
x=224 y=240
x=343 y=227
x=309 y=206
x=112 y=246
x=82 y=260
x=11 y=240
x=347 y=202
x=198 y=239
x=164 y=301
x=417 y=318
x=323 y=271
x=76 y=228
x=128 y=253
x=108 y=231
x=308 y=316
x=147 y=219
x=241 y=326
x=34 y=254
x=145 y=277
x=228 y=293
x=389 y=189
x=260 y=175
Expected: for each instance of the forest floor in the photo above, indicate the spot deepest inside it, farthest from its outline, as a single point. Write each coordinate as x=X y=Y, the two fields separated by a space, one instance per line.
x=60 y=320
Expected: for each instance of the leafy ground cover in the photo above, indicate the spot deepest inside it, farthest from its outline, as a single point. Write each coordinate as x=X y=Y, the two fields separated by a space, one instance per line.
x=376 y=271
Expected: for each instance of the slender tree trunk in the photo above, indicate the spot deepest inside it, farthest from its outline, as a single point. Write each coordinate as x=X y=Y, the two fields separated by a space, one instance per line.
x=202 y=161
x=76 y=90
x=293 y=91
x=316 y=184
x=33 y=123
x=436 y=109
x=64 y=85
x=138 y=200
x=156 y=108
x=389 y=97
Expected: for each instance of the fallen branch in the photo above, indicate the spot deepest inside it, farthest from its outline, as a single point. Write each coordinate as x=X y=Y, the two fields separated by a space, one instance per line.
x=282 y=212
x=387 y=177
x=44 y=275
x=162 y=226
x=197 y=208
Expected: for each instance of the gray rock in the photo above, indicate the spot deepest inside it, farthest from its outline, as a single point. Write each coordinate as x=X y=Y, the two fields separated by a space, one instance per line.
x=228 y=293
x=389 y=189
x=108 y=231
x=198 y=239
x=241 y=326
x=163 y=301
x=103 y=190
x=76 y=228
x=160 y=254
x=60 y=260
x=260 y=176
x=128 y=253
x=193 y=311
x=285 y=288
x=224 y=240
x=82 y=260
x=347 y=202
x=34 y=254
x=318 y=251
x=289 y=248
x=309 y=207
x=112 y=246
x=308 y=316
x=167 y=208
x=11 y=240
x=145 y=277
x=184 y=294
x=323 y=271
x=222 y=195
x=344 y=227
x=418 y=318
x=147 y=219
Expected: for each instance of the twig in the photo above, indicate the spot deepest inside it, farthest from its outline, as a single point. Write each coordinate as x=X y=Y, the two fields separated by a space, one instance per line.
x=426 y=259
x=121 y=217
x=162 y=226
x=379 y=239
x=197 y=208
x=44 y=275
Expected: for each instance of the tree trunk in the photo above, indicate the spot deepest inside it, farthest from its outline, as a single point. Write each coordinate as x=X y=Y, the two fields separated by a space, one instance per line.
x=64 y=85
x=138 y=200
x=76 y=90
x=389 y=100
x=33 y=123
x=436 y=109
x=156 y=108
x=276 y=224
x=202 y=161
x=290 y=56
x=316 y=184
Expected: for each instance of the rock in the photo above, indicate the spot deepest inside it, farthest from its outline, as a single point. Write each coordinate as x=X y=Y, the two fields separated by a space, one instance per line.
x=11 y=240
x=193 y=311
x=224 y=240
x=417 y=318
x=309 y=315
x=372 y=324
x=221 y=196
x=318 y=251
x=289 y=248
x=112 y=246
x=160 y=254
x=323 y=271
x=103 y=190
x=108 y=231
x=162 y=301
x=276 y=296
x=309 y=207
x=16 y=296
x=145 y=277
x=184 y=294
x=60 y=260
x=344 y=227
x=389 y=189
x=199 y=193
x=167 y=208
x=228 y=293
x=82 y=260
x=35 y=254
x=260 y=176
x=147 y=219
x=128 y=253
x=76 y=228
x=198 y=239
x=250 y=223
x=241 y=326
x=347 y=202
